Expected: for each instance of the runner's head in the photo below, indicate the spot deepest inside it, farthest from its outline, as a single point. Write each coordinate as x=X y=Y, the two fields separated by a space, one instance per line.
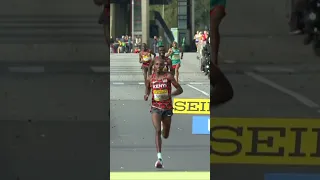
x=162 y=51
x=174 y=44
x=159 y=65
x=144 y=46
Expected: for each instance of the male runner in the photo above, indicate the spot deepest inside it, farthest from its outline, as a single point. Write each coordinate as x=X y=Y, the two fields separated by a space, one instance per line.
x=176 y=55
x=161 y=105
x=221 y=90
x=167 y=61
x=145 y=58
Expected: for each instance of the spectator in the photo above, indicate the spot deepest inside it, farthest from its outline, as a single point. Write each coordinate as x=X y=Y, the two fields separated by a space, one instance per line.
x=120 y=47
x=129 y=44
x=160 y=42
x=138 y=41
x=155 y=44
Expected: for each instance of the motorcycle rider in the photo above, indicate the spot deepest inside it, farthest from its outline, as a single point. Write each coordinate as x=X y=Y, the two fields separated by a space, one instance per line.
x=296 y=22
x=311 y=7
x=205 y=54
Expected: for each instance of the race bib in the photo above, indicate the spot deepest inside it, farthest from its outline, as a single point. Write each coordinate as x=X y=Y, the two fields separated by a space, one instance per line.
x=160 y=95
x=146 y=58
x=176 y=56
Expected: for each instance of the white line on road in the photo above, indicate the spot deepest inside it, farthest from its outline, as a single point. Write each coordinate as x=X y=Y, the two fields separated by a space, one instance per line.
x=299 y=97
x=100 y=69
x=141 y=83
x=195 y=83
x=273 y=69
x=197 y=89
x=203 y=92
x=27 y=69
x=118 y=83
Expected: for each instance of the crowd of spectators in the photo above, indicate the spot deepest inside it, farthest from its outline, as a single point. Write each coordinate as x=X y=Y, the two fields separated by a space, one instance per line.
x=127 y=44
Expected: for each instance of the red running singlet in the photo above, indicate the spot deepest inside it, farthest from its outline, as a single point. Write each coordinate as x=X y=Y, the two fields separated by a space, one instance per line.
x=161 y=92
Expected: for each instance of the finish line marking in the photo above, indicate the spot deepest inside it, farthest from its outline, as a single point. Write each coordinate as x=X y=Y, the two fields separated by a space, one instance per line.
x=160 y=175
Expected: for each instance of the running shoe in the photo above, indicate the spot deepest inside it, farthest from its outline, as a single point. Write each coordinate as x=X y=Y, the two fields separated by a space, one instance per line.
x=158 y=164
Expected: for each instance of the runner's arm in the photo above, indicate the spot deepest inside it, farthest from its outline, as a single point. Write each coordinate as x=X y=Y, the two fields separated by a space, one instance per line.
x=148 y=87
x=178 y=87
x=170 y=66
x=154 y=54
x=140 y=58
x=169 y=52
x=150 y=67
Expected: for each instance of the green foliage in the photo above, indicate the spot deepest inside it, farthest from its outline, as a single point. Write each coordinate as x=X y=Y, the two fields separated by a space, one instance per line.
x=202 y=13
x=170 y=15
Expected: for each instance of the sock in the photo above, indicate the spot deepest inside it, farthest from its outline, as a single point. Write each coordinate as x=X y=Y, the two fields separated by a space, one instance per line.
x=159 y=156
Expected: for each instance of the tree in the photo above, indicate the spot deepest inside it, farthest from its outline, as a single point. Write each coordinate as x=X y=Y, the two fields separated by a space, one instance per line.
x=170 y=11
x=202 y=13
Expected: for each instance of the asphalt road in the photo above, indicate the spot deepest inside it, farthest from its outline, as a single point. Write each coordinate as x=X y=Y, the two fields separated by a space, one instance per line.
x=132 y=133
x=273 y=74
x=53 y=122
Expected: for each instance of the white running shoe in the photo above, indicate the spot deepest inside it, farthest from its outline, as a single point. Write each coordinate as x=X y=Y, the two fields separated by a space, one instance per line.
x=159 y=164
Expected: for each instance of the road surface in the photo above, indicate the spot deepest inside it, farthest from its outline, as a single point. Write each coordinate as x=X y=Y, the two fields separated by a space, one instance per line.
x=54 y=121
x=132 y=132
x=273 y=74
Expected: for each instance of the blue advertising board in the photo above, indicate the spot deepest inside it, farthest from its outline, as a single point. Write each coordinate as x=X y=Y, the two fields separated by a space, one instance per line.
x=200 y=125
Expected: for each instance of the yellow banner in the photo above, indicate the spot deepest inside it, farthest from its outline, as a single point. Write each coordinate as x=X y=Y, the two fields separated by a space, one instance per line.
x=191 y=106
x=265 y=141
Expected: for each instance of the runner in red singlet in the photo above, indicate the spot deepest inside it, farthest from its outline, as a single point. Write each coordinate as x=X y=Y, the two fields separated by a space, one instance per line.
x=220 y=88
x=145 y=58
x=161 y=105
x=167 y=62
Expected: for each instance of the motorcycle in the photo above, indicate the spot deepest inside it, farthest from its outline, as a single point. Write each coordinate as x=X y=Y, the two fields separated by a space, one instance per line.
x=207 y=64
x=312 y=25
x=206 y=60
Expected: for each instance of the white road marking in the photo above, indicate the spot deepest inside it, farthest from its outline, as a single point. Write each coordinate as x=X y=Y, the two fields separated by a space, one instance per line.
x=195 y=83
x=203 y=92
x=27 y=69
x=118 y=83
x=273 y=69
x=141 y=83
x=302 y=99
x=229 y=61
x=197 y=89
x=100 y=69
